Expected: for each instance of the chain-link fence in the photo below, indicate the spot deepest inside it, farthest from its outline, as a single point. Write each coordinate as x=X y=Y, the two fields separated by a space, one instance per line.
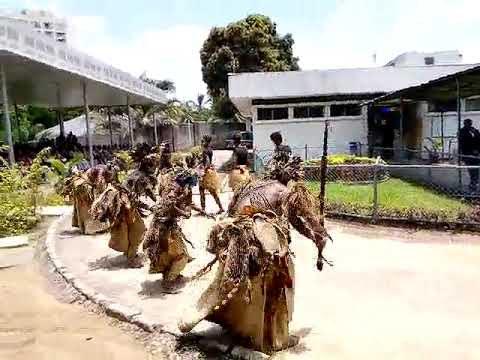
x=417 y=193
x=426 y=189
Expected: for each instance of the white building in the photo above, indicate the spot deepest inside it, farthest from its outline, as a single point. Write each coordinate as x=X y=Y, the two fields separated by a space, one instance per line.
x=40 y=21
x=297 y=103
x=415 y=58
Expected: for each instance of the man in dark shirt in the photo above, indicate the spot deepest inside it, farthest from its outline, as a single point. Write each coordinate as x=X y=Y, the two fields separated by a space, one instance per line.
x=282 y=152
x=240 y=152
x=469 y=146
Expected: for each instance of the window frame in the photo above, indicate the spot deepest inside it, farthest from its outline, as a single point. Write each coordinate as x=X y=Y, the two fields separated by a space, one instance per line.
x=474 y=98
x=429 y=60
x=308 y=109
x=272 y=112
x=345 y=108
x=435 y=109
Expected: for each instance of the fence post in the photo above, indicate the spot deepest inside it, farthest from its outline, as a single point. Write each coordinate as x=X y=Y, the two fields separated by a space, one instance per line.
x=375 y=190
x=306 y=152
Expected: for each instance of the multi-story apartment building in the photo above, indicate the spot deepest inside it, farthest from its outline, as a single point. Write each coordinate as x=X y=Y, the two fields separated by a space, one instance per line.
x=41 y=21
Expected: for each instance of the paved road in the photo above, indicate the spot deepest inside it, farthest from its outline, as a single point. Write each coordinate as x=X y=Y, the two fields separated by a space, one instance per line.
x=392 y=294
x=35 y=325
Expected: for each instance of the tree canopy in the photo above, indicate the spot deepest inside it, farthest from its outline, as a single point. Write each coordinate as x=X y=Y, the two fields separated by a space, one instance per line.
x=248 y=45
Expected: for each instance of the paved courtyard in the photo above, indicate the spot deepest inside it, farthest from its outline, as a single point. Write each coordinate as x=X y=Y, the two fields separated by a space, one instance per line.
x=392 y=293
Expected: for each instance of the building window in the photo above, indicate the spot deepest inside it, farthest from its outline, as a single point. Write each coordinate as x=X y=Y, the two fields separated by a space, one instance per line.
x=303 y=112
x=429 y=60
x=345 y=110
x=472 y=104
x=442 y=106
x=272 y=113
x=47 y=25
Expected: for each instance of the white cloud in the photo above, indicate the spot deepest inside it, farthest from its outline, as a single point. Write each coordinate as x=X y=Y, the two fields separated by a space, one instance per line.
x=164 y=53
x=357 y=29
x=346 y=37
x=170 y=53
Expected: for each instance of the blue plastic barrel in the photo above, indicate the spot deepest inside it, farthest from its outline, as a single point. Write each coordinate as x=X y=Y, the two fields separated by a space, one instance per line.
x=353 y=146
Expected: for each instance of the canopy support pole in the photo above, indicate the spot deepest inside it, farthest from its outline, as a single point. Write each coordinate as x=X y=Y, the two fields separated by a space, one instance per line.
x=87 y=124
x=109 y=114
x=155 y=130
x=8 y=125
x=60 y=111
x=459 y=126
x=401 y=143
x=323 y=172
x=130 y=129
x=17 y=121
x=459 y=119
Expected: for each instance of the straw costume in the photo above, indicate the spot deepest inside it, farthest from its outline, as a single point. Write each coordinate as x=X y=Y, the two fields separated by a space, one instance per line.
x=240 y=172
x=123 y=207
x=253 y=288
x=164 y=241
x=209 y=180
x=83 y=188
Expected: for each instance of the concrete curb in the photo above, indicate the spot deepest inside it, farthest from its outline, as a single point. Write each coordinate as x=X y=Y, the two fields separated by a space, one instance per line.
x=13 y=242
x=129 y=314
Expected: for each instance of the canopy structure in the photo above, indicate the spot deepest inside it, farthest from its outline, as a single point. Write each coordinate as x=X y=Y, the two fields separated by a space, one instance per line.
x=40 y=71
x=462 y=84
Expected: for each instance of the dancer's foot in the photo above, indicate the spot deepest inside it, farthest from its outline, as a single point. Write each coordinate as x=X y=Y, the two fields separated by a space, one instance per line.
x=136 y=262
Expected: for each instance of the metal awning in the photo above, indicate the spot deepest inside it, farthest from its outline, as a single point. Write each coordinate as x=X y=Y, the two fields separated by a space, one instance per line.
x=40 y=71
x=37 y=67
x=464 y=83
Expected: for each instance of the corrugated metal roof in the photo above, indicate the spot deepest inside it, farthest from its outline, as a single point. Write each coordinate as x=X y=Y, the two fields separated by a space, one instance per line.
x=247 y=86
x=441 y=84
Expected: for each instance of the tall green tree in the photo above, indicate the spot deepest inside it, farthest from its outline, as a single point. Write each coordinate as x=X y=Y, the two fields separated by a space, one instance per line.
x=248 y=45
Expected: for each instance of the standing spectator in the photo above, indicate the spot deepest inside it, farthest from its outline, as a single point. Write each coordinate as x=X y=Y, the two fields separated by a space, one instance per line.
x=469 y=146
x=282 y=152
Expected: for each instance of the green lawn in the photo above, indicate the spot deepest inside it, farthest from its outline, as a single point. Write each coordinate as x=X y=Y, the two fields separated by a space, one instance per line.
x=396 y=198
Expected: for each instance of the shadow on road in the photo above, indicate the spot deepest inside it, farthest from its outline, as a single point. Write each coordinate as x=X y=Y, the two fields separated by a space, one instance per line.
x=161 y=288
x=109 y=263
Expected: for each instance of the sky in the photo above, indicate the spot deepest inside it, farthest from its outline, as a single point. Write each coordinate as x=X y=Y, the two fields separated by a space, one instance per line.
x=164 y=38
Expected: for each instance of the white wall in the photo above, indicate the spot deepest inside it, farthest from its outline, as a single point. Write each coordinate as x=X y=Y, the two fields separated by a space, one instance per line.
x=297 y=134
x=418 y=58
x=300 y=132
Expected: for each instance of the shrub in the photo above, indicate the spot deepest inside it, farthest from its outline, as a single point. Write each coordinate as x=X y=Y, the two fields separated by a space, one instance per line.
x=19 y=190
x=342 y=159
x=128 y=162
x=179 y=156
x=17 y=214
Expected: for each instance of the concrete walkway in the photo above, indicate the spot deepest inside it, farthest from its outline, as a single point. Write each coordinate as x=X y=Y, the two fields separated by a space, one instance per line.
x=392 y=294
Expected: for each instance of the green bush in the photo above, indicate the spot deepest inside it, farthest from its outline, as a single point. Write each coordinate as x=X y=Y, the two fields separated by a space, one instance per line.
x=179 y=156
x=17 y=214
x=342 y=159
x=19 y=192
x=51 y=199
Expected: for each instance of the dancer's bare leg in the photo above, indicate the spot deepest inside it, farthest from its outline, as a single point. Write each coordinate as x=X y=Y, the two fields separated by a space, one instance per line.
x=217 y=200
x=202 y=198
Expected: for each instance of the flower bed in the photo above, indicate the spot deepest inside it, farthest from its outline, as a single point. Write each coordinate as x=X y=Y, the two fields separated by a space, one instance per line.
x=346 y=168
